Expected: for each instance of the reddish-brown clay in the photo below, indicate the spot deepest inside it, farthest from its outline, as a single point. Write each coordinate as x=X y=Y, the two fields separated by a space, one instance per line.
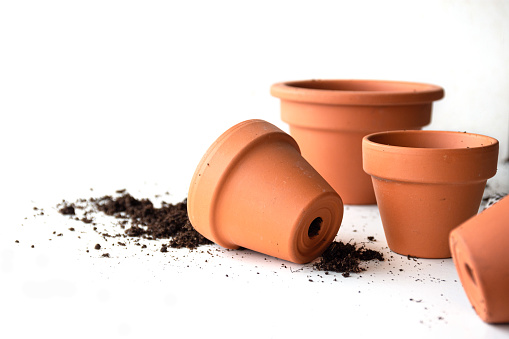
x=480 y=249
x=427 y=183
x=253 y=189
x=328 y=118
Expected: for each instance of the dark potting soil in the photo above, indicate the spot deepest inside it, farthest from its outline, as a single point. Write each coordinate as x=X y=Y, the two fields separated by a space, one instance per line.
x=346 y=258
x=170 y=221
x=67 y=210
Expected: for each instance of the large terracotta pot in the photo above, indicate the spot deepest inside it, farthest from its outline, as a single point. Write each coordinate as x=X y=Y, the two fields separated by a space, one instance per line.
x=253 y=189
x=329 y=118
x=427 y=183
x=480 y=249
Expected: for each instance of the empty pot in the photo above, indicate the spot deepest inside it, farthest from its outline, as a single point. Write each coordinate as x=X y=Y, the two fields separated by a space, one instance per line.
x=254 y=189
x=329 y=118
x=426 y=184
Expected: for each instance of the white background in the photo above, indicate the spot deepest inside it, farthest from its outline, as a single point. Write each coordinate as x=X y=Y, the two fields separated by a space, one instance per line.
x=129 y=94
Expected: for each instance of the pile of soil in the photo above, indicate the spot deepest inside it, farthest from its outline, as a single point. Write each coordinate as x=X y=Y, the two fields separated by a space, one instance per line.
x=170 y=221
x=346 y=258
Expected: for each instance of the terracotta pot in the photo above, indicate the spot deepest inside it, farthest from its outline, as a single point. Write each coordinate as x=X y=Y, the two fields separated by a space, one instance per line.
x=253 y=189
x=427 y=183
x=328 y=118
x=480 y=249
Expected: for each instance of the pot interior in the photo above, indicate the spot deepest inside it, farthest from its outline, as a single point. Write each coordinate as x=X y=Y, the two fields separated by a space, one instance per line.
x=360 y=85
x=432 y=139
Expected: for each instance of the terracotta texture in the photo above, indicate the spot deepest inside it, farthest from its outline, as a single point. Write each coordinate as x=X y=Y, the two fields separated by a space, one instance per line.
x=480 y=249
x=329 y=118
x=253 y=189
x=427 y=183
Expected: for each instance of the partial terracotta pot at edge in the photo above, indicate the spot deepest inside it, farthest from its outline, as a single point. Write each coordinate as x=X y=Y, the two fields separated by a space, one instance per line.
x=329 y=118
x=253 y=189
x=427 y=183
x=480 y=249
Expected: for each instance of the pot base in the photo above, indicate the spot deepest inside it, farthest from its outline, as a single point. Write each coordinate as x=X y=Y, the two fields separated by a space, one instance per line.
x=481 y=256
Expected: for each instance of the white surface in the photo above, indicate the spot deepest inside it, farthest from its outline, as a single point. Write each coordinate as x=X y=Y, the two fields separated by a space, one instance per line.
x=126 y=94
x=57 y=288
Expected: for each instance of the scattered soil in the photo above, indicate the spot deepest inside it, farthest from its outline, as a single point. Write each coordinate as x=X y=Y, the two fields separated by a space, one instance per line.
x=492 y=199
x=138 y=218
x=346 y=258
x=170 y=221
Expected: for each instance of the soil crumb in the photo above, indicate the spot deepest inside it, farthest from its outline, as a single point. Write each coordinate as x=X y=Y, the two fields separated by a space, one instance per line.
x=346 y=258
x=67 y=210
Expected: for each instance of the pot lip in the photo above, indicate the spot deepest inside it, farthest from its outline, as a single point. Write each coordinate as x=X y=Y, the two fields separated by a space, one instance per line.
x=430 y=164
x=216 y=165
x=357 y=92
x=370 y=142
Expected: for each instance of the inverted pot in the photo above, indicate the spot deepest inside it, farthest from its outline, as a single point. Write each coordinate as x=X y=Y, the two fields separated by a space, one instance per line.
x=253 y=189
x=427 y=183
x=481 y=255
x=329 y=118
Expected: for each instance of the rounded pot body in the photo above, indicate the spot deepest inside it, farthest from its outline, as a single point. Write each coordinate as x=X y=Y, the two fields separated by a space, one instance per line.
x=329 y=118
x=481 y=255
x=426 y=183
x=253 y=189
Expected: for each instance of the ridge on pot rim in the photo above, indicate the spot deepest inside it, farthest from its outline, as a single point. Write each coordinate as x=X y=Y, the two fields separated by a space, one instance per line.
x=426 y=183
x=253 y=189
x=357 y=92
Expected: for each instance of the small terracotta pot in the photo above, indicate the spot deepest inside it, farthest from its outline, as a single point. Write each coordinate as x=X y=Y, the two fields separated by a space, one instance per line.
x=480 y=249
x=427 y=183
x=328 y=118
x=253 y=189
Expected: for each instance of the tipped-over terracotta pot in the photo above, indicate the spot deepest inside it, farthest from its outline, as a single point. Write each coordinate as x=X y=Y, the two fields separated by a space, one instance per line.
x=427 y=183
x=328 y=118
x=253 y=189
x=480 y=249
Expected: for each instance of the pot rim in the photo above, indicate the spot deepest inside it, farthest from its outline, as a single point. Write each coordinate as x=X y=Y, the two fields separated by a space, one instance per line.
x=418 y=134
x=357 y=92
x=406 y=161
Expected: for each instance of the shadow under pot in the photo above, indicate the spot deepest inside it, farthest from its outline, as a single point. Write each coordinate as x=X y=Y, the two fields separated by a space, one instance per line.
x=253 y=189
x=481 y=255
x=329 y=118
x=426 y=184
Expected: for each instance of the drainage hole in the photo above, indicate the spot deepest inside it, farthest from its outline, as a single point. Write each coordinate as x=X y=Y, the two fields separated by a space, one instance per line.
x=314 y=228
x=470 y=273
